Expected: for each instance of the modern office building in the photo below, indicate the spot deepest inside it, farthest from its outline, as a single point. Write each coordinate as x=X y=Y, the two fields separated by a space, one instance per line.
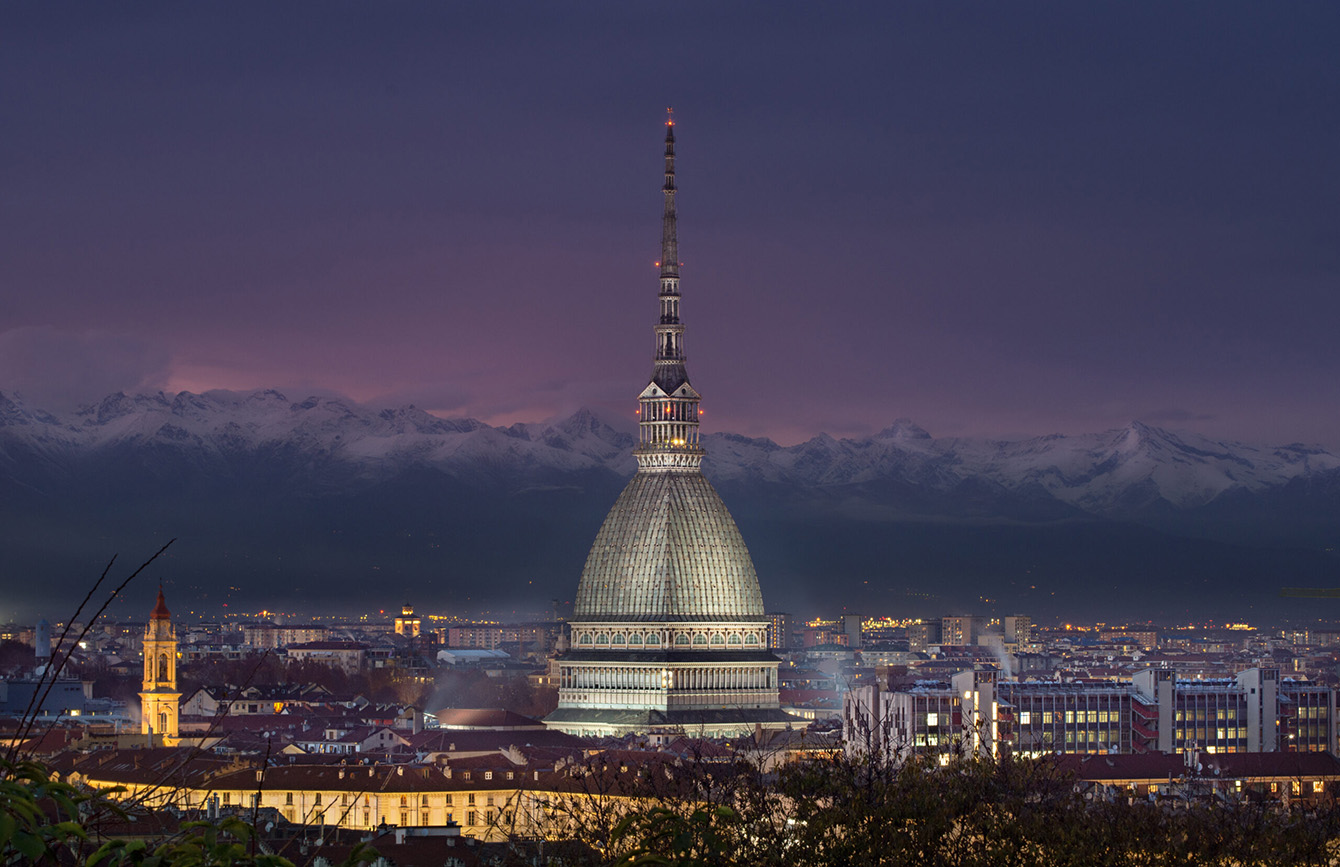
x=1156 y=713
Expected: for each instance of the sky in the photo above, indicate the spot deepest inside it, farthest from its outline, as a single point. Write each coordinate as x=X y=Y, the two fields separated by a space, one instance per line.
x=993 y=219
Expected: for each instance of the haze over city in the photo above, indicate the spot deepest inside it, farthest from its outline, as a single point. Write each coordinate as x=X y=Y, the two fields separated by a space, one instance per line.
x=925 y=231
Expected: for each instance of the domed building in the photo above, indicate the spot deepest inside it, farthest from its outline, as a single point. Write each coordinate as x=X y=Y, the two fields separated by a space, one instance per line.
x=668 y=632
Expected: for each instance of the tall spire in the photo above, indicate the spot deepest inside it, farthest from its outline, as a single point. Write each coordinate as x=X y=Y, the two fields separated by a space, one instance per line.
x=669 y=406
x=669 y=227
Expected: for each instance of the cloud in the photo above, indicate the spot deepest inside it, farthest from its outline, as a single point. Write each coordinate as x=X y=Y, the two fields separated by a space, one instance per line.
x=57 y=369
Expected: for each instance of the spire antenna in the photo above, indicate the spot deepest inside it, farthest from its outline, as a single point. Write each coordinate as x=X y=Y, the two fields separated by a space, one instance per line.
x=668 y=406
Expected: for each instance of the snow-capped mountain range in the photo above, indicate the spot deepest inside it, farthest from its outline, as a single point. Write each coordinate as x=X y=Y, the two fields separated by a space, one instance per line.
x=271 y=495
x=1102 y=473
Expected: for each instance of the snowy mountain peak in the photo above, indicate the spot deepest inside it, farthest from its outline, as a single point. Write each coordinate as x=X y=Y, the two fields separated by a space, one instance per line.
x=903 y=429
x=1111 y=473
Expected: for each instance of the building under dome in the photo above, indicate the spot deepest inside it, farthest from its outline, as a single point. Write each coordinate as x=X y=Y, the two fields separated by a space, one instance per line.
x=668 y=632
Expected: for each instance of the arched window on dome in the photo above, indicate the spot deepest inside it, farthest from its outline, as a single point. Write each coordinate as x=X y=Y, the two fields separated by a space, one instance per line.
x=700 y=639
x=602 y=639
x=162 y=666
x=618 y=638
x=717 y=638
x=585 y=639
x=751 y=639
x=733 y=639
x=653 y=638
x=681 y=639
x=635 y=638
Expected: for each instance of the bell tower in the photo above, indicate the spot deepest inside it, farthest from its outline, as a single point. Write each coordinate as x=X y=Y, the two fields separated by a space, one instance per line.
x=159 y=699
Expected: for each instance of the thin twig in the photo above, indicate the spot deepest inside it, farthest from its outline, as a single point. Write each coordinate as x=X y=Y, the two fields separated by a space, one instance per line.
x=93 y=620
x=60 y=642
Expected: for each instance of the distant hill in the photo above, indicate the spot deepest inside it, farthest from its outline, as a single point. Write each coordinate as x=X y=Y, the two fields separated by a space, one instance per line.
x=326 y=503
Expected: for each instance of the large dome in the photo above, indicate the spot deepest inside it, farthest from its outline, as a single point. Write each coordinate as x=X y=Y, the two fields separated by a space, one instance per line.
x=669 y=550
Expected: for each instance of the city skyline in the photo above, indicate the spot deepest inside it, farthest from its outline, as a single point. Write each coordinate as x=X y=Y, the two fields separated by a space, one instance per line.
x=989 y=221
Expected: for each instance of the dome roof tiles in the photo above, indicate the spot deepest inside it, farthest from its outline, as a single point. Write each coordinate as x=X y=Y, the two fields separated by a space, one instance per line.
x=669 y=550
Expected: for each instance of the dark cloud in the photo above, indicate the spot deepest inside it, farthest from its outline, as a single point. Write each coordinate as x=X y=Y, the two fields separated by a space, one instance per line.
x=988 y=218
x=55 y=369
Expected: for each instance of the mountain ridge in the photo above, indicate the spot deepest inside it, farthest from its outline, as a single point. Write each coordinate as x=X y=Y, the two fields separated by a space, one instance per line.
x=328 y=491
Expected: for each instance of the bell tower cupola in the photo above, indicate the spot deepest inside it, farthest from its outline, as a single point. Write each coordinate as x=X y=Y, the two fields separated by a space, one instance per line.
x=159 y=698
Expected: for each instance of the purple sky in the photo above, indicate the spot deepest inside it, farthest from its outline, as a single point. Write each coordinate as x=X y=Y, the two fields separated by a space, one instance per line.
x=990 y=218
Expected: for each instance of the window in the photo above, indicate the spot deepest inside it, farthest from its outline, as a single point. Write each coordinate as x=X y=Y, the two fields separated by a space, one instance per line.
x=700 y=639
x=635 y=638
x=489 y=800
x=317 y=801
x=447 y=799
x=585 y=639
x=470 y=799
x=751 y=639
x=288 y=797
x=653 y=639
x=734 y=639
x=718 y=639
x=932 y=719
x=681 y=639
x=488 y=775
x=1318 y=786
x=1025 y=718
x=423 y=817
x=344 y=799
x=470 y=818
x=404 y=801
x=404 y=818
x=618 y=639
x=602 y=639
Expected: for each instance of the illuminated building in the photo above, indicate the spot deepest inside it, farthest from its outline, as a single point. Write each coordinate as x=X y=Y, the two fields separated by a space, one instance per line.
x=668 y=631
x=159 y=700
x=1156 y=713
x=407 y=623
